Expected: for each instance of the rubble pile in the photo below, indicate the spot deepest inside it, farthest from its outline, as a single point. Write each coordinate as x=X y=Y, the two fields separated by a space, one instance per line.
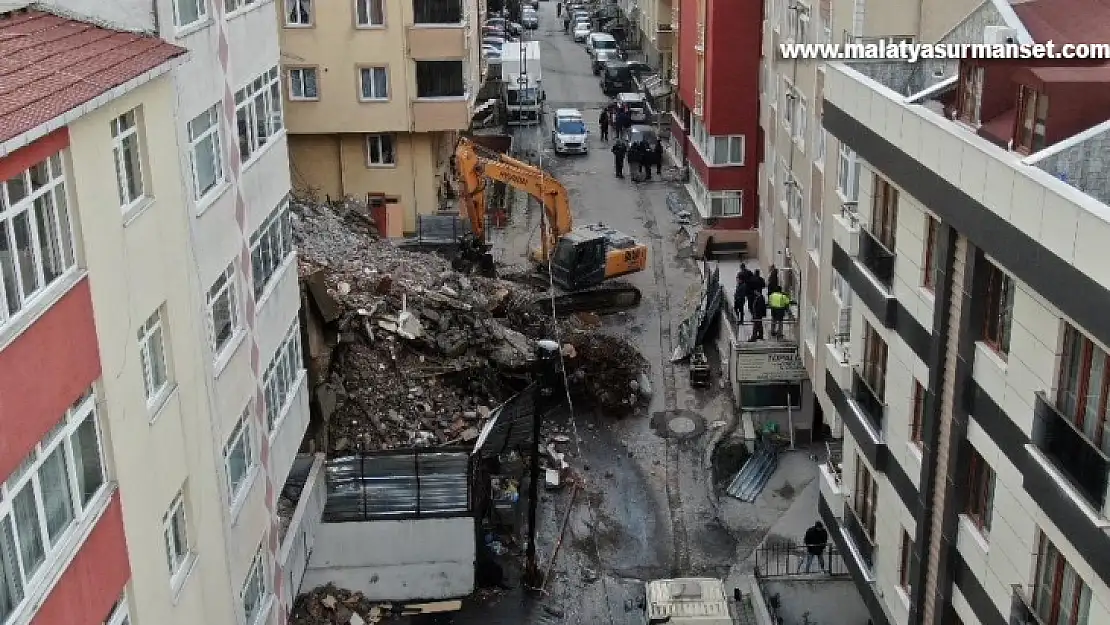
x=417 y=354
x=329 y=605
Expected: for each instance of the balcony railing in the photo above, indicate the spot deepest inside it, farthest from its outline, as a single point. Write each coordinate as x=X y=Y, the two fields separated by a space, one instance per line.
x=699 y=45
x=876 y=257
x=1079 y=459
x=871 y=404
x=855 y=530
x=789 y=332
x=1021 y=607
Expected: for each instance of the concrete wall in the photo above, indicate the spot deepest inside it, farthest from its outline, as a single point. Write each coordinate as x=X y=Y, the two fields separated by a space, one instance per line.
x=396 y=560
x=1081 y=161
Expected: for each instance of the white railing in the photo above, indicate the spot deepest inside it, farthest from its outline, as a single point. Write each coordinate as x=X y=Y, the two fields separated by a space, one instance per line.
x=301 y=535
x=699 y=103
x=850 y=211
x=699 y=45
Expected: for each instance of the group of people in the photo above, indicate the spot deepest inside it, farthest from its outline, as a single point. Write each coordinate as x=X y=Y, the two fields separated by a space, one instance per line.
x=640 y=154
x=749 y=294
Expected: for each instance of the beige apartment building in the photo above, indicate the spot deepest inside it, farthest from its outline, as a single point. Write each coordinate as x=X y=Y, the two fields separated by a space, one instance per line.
x=377 y=92
x=655 y=20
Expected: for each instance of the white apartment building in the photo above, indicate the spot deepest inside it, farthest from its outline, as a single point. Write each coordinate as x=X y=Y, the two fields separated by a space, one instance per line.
x=957 y=275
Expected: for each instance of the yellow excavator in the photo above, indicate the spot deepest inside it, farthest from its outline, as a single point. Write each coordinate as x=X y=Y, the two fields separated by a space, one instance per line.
x=583 y=259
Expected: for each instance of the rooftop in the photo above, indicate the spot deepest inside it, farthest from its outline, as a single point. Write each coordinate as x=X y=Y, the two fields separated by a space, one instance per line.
x=50 y=65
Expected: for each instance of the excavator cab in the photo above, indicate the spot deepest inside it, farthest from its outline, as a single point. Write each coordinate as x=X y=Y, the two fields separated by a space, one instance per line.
x=579 y=261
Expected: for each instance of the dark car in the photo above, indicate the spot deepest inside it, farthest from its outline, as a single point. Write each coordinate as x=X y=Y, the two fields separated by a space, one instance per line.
x=639 y=68
x=616 y=78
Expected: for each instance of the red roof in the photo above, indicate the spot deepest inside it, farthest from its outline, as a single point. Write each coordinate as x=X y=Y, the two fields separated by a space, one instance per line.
x=1065 y=21
x=50 y=65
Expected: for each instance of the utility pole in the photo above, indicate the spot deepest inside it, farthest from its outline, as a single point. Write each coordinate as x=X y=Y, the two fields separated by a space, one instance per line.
x=547 y=386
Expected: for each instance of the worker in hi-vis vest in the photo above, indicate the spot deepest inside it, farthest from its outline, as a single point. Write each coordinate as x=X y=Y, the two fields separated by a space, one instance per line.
x=779 y=303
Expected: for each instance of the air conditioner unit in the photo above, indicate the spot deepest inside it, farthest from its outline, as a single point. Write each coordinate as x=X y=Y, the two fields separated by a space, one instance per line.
x=999 y=35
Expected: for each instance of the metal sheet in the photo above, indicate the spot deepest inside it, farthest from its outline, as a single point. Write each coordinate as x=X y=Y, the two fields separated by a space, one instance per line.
x=413 y=484
x=782 y=365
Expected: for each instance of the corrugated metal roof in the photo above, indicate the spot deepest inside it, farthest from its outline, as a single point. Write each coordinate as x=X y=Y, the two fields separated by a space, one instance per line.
x=416 y=483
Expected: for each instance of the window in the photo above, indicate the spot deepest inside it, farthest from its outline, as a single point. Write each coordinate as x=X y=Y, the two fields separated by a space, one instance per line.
x=980 y=492
x=826 y=27
x=772 y=90
x=726 y=203
x=280 y=379
x=374 y=83
x=818 y=139
x=847 y=174
x=379 y=151
x=917 y=415
x=238 y=456
x=152 y=354
x=811 y=323
x=865 y=498
x=205 y=152
x=1060 y=596
x=874 y=360
x=1029 y=135
x=176 y=533
x=254 y=589
x=440 y=79
x=1084 y=386
x=728 y=150
x=929 y=266
x=34 y=199
x=298 y=12
x=795 y=202
x=235 y=5
x=999 y=299
x=437 y=11
x=802 y=27
x=302 y=84
x=44 y=498
x=125 y=150
x=970 y=92
x=369 y=13
x=801 y=116
x=258 y=113
x=119 y=614
x=905 y=557
x=841 y=290
x=813 y=242
x=791 y=99
x=223 y=309
x=884 y=213
x=189 y=12
x=271 y=244
x=773 y=395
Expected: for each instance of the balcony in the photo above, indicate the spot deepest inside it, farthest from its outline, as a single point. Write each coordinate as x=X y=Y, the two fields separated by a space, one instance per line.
x=1083 y=466
x=857 y=534
x=1021 y=607
x=846 y=228
x=437 y=41
x=430 y=115
x=838 y=359
x=437 y=12
x=869 y=402
x=303 y=496
x=832 y=488
x=857 y=419
x=877 y=259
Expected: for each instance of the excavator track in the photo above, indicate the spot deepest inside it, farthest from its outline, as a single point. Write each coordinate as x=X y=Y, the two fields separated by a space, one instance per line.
x=607 y=298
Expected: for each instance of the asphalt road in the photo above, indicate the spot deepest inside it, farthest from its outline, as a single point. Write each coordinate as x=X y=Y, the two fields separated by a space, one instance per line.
x=646 y=511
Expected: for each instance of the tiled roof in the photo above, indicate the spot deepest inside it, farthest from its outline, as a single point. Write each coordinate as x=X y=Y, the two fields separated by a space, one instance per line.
x=50 y=65
x=1065 y=21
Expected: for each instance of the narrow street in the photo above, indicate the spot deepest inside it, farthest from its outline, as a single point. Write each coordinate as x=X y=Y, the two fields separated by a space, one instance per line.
x=646 y=510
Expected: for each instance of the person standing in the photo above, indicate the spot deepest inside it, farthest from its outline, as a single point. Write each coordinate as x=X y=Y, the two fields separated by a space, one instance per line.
x=646 y=158
x=740 y=297
x=558 y=9
x=619 y=150
x=659 y=157
x=759 y=312
x=780 y=303
x=756 y=284
x=603 y=121
x=773 y=283
x=816 y=539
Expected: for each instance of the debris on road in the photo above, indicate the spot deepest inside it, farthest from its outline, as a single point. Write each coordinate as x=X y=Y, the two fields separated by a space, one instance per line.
x=406 y=352
x=329 y=605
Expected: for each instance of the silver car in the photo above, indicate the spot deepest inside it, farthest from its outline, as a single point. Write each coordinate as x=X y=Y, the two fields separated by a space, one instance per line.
x=569 y=134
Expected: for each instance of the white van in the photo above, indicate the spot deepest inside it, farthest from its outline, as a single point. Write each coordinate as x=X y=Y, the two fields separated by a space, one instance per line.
x=637 y=106
x=600 y=41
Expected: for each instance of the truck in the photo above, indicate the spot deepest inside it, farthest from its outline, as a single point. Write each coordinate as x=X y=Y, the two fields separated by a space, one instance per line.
x=522 y=82
x=687 y=601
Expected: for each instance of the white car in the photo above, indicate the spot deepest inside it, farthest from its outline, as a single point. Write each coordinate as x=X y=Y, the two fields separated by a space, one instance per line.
x=530 y=20
x=581 y=31
x=569 y=134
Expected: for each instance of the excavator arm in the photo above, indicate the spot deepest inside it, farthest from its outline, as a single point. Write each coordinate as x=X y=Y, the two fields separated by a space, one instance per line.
x=473 y=165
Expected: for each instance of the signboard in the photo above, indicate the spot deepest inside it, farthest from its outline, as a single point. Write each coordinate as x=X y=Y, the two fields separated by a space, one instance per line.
x=762 y=366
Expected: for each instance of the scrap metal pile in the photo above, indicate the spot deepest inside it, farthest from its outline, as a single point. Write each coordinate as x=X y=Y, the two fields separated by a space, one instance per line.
x=412 y=353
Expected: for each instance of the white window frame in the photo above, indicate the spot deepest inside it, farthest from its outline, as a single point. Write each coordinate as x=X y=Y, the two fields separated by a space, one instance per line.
x=842 y=291
x=83 y=506
x=303 y=95
x=727 y=198
x=373 y=97
x=152 y=330
x=226 y=286
x=826 y=30
x=209 y=134
x=271 y=247
x=237 y=6
x=818 y=140
x=177 y=556
x=814 y=239
x=796 y=204
x=359 y=23
x=847 y=174
x=788 y=106
x=811 y=325
x=202 y=13
x=801 y=111
x=377 y=138
x=729 y=139
x=295 y=8
x=255 y=582
x=121 y=135
x=241 y=436
x=281 y=377
x=801 y=34
x=48 y=204
x=120 y=613
x=263 y=92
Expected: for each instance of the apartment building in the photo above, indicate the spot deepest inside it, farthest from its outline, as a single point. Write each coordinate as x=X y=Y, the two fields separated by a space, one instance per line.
x=377 y=91
x=714 y=118
x=954 y=278
x=652 y=22
x=198 y=386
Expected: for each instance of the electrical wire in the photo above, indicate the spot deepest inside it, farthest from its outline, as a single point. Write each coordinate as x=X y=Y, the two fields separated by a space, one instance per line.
x=548 y=254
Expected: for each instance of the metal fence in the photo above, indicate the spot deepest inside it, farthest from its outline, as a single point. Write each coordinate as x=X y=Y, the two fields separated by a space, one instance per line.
x=789 y=559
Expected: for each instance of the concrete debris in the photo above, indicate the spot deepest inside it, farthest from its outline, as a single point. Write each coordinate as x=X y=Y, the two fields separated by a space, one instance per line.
x=330 y=605
x=405 y=351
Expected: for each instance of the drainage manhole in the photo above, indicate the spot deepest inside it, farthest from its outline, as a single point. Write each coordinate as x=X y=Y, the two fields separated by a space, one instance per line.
x=679 y=424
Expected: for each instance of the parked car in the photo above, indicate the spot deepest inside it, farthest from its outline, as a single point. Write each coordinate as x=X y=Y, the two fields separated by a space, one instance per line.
x=569 y=134
x=637 y=106
x=616 y=78
x=516 y=29
x=581 y=31
x=530 y=20
x=600 y=41
x=495 y=42
x=640 y=132
x=640 y=69
x=600 y=57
